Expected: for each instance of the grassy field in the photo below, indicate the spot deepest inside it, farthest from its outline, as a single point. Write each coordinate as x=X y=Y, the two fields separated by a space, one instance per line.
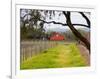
x=58 y=57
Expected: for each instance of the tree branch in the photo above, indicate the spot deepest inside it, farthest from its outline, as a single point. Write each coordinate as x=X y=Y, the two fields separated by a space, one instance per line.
x=53 y=22
x=86 y=18
x=63 y=23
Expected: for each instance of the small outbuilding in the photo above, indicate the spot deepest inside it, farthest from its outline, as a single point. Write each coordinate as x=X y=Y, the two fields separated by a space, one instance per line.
x=57 y=37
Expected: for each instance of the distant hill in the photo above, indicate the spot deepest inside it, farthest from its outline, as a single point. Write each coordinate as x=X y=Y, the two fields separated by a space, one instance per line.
x=68 y=33
x=65 y=29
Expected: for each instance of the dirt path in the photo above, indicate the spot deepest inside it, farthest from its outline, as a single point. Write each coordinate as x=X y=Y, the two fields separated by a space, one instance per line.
x=84 y=53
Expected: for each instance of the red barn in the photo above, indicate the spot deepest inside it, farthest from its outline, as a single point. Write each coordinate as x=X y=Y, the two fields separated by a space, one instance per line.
x=57 y=37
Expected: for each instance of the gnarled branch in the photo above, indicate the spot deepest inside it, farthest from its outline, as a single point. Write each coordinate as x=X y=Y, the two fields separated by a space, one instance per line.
x=63 y=23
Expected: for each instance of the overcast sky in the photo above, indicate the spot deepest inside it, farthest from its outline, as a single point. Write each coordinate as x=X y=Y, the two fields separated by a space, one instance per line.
x=75 y=18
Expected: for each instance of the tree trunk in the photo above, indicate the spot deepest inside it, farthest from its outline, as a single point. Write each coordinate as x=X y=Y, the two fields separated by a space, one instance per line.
x=75 y=32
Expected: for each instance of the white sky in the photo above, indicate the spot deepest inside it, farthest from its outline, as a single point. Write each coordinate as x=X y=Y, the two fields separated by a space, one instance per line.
x=75 y=18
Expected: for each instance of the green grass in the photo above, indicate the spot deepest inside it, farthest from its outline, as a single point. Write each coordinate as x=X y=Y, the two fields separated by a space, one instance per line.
x=57 y=57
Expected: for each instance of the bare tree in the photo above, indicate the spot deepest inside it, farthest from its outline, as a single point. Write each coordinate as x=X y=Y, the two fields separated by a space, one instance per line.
x=75 y=32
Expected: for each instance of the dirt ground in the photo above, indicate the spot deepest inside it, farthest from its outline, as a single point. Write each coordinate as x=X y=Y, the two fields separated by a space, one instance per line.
x=84 y=53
